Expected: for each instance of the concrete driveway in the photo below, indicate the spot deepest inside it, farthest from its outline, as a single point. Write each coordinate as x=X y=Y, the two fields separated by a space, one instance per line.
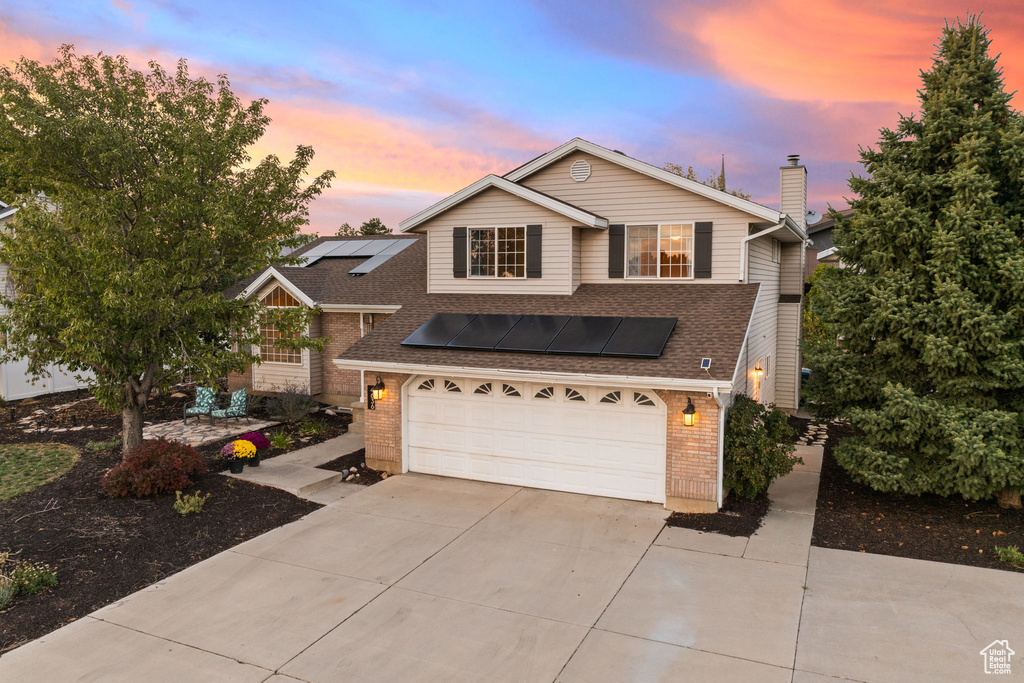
x=421 y=578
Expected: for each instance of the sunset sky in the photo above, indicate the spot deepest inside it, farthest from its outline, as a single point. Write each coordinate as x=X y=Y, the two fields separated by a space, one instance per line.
x=411 y=101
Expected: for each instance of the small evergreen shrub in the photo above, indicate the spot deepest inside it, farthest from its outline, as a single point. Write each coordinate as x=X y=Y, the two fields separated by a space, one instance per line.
x=154 y=467
x=758 y=447
x=183 y=505
x=281 y=439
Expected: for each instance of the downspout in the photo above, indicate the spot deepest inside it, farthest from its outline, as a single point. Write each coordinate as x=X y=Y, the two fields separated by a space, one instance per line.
x=721 y=445
x=745 y=247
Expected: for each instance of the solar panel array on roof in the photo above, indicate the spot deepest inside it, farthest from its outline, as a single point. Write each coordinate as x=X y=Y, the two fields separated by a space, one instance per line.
x=580 y=335
x=378 y=251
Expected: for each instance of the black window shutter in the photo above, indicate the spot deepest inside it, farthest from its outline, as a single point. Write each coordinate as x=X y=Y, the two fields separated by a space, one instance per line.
x=702 y=250
x=459 y=251
x=533 y=268
x=616 y=250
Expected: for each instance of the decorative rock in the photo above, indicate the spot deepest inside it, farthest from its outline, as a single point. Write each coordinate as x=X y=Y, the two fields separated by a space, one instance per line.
x=330 y=412
x=362 y=464
x=178 y=394
x=350 y=477
x=344 y=473
x=383 y=475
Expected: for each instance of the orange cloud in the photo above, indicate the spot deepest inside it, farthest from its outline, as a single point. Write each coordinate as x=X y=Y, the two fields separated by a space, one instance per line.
x=835 y=51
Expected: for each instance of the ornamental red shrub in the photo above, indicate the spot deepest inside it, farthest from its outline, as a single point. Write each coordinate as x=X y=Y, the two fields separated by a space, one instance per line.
x=154 y=467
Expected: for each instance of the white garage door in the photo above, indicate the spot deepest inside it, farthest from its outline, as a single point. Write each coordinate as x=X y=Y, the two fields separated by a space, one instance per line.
x=603 y=441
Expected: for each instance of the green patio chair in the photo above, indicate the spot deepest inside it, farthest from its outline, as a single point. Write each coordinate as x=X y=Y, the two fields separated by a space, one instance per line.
x=203 y=405
x=238 y=408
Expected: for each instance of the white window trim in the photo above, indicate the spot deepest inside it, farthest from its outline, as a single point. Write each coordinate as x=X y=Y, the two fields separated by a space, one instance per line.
x=656 y=278
x=469 y=252
x=776 y=251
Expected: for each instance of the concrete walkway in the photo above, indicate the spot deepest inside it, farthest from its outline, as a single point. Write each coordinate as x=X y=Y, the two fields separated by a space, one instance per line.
x=422 y=578
x=298 y=472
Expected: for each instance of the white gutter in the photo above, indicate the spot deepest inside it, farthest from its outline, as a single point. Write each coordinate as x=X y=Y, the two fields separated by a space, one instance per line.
x=745 y=247
x=721 y=445
x=358 y=308
x=675 y=383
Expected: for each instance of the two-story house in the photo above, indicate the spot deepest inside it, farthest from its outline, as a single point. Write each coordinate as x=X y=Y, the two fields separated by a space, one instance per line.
x=587 y=320
x=581 y=323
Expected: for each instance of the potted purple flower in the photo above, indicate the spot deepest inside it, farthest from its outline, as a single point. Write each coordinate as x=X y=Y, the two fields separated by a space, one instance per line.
x=237 y=453
x=261 y=443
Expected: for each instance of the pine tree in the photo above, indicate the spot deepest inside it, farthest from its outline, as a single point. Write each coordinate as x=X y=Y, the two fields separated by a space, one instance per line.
x=929 y=310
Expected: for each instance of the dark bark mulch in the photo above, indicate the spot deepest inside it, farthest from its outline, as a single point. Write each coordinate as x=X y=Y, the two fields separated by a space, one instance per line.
x=738 y=516
x=364 y=475
x=852 y=516
x=106 y=548
x=799 y=425
x=330 y=426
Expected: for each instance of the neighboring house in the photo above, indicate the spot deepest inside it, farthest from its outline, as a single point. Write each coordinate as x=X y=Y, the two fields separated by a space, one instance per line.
x=505 y=387
x=821 y=248
x=15 y=382
x=356 y=282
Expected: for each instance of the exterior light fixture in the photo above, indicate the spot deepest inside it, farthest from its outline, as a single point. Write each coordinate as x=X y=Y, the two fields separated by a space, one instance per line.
x=758 y=371
x=689 y=414
x=374 y=393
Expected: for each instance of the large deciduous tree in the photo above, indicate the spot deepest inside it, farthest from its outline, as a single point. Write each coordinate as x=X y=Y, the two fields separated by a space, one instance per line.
x=929 y=309
x=152 y=208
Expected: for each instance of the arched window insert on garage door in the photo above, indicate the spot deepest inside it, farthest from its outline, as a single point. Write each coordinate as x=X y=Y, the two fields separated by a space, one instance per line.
x=642 y=399
x=426 y=385
x=573 y=395
x=510 y=391
x=484 y=389
x=452 y=387
x=545 y=393
x=612 y=397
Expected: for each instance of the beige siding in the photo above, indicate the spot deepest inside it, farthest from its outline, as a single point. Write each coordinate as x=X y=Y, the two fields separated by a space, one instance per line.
x=314 y=359
x=793 y=193
x=791 y=275
x=577 y=257
x=625 y=196
x=497 y=208
x=762 y=339
x=787 y=378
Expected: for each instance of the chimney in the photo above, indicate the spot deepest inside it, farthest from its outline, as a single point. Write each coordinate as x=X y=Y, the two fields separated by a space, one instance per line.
x=793 y=190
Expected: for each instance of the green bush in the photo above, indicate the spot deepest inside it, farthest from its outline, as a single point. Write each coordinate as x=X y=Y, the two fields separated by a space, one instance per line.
x=313 y=426
x=189 y=503
x=281 y=439
x=758 y=447
x=23 y=578
x=1011 y=554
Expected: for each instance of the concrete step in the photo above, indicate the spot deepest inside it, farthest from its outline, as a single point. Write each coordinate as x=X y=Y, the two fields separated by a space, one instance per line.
x=295 y=479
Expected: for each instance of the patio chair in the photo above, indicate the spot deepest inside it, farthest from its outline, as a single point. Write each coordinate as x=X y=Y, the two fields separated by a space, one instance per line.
x=203 y=405
x=238 y=408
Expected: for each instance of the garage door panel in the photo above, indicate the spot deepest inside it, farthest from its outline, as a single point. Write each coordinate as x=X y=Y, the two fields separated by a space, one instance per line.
x=615 y=450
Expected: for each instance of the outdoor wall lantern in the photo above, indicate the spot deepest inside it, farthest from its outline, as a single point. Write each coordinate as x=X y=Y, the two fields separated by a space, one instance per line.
x=758 y=371
x=374 y=393
x=689 y=414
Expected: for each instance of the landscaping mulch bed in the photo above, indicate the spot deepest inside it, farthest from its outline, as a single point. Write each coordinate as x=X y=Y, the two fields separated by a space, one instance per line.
x=330 y=426
x=363 y=474
x=799 y=425
x=852 y=516
x=738 y=516
x=106 y=548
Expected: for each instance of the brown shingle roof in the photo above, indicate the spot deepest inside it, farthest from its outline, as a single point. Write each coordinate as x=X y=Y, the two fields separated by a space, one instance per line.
x=398 y=280
x=712 y=323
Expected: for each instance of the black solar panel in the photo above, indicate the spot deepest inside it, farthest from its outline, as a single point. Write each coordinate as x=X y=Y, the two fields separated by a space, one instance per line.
x=483 y=332
x=584 y=334
x=439 y=330
x=640 y=337
x=533 y=333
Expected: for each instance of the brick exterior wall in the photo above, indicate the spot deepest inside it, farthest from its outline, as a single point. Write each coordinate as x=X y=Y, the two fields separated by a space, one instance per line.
x=240 y=380
x=691 y=471
x=343 y=331
x=384 y=426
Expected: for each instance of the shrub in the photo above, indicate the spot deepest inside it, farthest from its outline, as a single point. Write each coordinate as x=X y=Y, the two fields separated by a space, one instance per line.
x=189 y=503
x=154 y=467
x=31 y=578
x=315 y=427
x=292 y=403
x=281 y=439
x=758 y=444
x=256 y=439
x=1011 y=554
x=8 y=589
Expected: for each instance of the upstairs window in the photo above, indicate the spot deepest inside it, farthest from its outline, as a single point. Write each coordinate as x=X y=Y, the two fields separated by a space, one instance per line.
x=659 y=251
x=497 y=252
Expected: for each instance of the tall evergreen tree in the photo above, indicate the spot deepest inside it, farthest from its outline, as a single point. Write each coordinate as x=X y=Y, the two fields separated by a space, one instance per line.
x=929 y=310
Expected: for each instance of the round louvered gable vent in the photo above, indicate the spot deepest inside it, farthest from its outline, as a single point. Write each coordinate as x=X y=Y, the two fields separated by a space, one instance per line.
x=580 y=171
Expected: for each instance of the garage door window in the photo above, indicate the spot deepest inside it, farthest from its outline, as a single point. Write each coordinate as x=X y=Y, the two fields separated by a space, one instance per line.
x=642 y=399
x=510 y=391
x=573 y=395
x=546 y=392
x=484 y=389
x=612 y=397
x=452 y=387
x=426 y=385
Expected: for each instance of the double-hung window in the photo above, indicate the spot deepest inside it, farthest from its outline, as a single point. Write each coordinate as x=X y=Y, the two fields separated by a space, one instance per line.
x=659 y=251
x=497 y=252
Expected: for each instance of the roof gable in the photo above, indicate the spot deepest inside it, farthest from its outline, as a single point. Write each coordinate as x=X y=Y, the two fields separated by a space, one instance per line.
x=575 y=213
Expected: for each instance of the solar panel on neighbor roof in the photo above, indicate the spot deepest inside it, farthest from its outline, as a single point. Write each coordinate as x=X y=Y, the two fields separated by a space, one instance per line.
x=438 y=330
x=584 y=334
x=314 y=254
x=640 y=337
x=371 y=247
x=483 y=332
x=533 y=333
x=344 y=248
x=374 y=261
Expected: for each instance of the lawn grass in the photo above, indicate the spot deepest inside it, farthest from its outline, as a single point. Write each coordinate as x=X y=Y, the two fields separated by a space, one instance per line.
x=24 y=467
